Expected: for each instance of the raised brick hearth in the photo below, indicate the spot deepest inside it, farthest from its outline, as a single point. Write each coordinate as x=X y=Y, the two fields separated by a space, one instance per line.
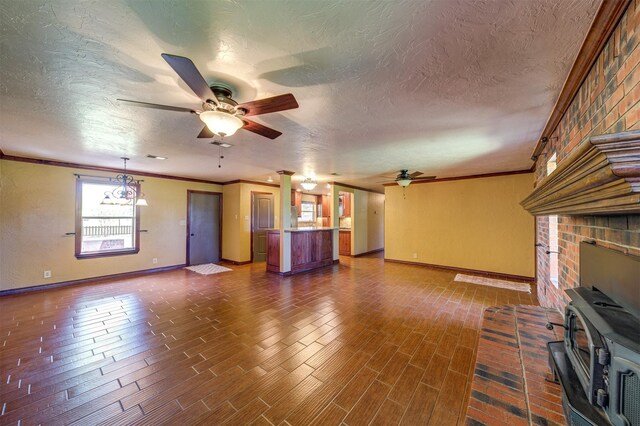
x=509 y=384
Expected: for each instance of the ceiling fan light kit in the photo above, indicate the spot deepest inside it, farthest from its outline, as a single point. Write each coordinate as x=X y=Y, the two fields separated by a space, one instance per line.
x=220 y=112
x=404 y=178
x=221 y=123
x=308 y=184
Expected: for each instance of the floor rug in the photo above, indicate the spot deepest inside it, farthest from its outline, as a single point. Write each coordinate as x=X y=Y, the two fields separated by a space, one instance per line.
x=208 y=268
x=491 y=282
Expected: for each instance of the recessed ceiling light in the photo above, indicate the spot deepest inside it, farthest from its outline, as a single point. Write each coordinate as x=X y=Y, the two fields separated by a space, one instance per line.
x=269 y=179
x=156 y=157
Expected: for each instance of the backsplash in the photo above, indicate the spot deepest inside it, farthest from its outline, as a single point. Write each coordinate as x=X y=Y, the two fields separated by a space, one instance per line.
x=345 y=222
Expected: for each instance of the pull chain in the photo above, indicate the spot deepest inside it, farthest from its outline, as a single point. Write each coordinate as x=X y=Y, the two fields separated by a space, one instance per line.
x=220 y=157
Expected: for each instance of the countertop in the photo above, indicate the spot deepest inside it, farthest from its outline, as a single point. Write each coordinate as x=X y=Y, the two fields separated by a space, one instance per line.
x=308 y=229
x=345 y=229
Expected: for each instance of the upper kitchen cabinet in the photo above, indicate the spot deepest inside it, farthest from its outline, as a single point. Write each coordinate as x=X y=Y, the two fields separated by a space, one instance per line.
x=296 y=200
x=326 y=210
x=345 y=204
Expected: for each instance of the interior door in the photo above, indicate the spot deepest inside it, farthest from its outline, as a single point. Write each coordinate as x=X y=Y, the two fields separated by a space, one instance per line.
x=203 y=245
x=262 y=218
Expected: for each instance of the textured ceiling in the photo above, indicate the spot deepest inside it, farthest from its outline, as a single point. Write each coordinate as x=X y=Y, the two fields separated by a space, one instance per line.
x=447 y=87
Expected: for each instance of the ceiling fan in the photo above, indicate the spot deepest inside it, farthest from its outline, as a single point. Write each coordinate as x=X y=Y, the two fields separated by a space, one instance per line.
x=404 y=178
x=220 y=113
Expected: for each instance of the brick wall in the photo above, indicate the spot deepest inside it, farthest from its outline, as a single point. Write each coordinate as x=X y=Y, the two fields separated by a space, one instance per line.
x=607 y=102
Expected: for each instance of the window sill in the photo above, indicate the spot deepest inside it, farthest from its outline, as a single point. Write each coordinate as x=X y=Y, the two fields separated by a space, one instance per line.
x=106 y=254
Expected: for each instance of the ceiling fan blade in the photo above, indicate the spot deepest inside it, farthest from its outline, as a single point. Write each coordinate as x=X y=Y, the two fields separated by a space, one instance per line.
x=424 y=178
x=415 y=174
x=188 y=72
x=261 y=130
x=206 y=133
x=267 y=105
x=157 y=106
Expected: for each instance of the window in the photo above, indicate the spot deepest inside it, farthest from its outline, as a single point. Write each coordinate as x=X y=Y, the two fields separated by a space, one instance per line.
x=307 y=211
x=553 y=233
x=104 y=229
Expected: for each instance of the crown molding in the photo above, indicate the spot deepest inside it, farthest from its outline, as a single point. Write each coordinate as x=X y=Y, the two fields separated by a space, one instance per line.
x=101 y=169
x=604 y=23
x=251 y=182
x=346 y=185
x=600 y=176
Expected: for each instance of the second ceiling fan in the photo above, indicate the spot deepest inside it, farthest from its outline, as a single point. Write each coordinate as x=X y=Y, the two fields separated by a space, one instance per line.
x=404 y=178
x=220 y=113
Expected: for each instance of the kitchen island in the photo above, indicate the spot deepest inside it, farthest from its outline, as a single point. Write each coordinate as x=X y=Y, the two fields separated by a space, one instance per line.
x=311 y=248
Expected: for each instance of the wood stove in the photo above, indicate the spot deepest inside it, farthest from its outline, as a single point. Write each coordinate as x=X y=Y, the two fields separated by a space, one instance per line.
x=598 y=362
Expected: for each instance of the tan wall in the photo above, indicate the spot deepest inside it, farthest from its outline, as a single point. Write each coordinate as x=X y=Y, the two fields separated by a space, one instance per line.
x=236 y=232
x=375 y=221
x=231 y=223
x=471 y=223
x=367 y=220
x=359 y=222
x=37 y=208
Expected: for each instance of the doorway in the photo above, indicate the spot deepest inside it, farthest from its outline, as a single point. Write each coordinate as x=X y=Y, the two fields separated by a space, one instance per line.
x=262 y=218
x=204 y=227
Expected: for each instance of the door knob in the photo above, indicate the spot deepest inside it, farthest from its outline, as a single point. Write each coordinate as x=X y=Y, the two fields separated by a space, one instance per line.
x=193 y=235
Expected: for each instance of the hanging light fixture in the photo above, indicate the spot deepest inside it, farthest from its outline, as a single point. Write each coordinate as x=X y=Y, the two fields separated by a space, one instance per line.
x=403 y=182
x=308 y=184
x=127 y=190
x=221 y=123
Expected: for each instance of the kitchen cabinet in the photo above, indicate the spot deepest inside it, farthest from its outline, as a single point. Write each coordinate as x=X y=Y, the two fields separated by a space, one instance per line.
x=310 y=249
x=344 y=243
x=326 y=211
x=296 y=200
x=345 y=202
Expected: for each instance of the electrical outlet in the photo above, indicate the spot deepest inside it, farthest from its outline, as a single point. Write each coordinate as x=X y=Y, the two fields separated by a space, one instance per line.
x=47 y=274
x=154 y=260
x=415 y=255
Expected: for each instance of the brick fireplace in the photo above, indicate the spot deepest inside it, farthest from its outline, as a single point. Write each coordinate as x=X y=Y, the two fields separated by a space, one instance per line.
x=606 y=103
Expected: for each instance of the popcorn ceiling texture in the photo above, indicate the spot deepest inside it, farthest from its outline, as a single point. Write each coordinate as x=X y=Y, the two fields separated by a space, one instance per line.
x=448 y=87
x=606 y=103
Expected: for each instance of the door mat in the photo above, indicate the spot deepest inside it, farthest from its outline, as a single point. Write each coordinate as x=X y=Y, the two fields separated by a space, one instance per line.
x=491 y=282
x=208 y=268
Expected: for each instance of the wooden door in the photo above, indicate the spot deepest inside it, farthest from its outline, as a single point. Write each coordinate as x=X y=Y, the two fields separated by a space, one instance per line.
x=262 y=218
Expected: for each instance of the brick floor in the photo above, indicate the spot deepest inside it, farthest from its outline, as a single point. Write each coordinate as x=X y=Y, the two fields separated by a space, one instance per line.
x=510 y=385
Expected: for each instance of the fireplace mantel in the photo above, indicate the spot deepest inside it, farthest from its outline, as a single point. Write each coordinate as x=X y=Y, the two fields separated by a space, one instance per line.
x=600 y=176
